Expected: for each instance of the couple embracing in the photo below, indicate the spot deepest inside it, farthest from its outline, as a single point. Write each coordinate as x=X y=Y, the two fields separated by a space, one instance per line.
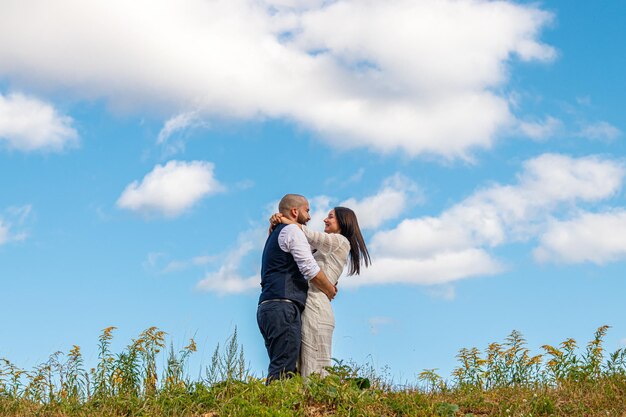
x=299 y=274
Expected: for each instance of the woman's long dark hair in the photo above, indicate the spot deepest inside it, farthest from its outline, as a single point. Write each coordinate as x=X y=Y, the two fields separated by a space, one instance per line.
x=350 y=229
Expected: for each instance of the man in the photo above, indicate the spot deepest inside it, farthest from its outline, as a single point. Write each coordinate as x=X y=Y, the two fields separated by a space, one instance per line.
x=287 y=267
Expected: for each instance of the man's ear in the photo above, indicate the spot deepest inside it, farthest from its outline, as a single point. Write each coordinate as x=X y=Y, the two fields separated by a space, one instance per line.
x=294 y=213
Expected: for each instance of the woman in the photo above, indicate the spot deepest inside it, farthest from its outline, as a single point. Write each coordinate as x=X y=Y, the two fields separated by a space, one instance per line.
x=341 y=240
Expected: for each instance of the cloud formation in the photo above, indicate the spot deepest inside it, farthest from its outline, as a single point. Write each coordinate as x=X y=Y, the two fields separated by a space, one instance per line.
x=171 y=136
x=455 y=245
x=590 y=237
x=4 y=233
x=376 y=323
x=438 y=268
x=541 y=130
x=395 y=195
x=228 y=279
x=170 y=189
x=14 y=221
x=389 y=203
x=176 y=124
x=29 y=124
x=600 y=131
x=399 y=75
x=160 y=263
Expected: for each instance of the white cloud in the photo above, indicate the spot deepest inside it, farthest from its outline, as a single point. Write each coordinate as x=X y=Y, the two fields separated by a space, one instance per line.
x=244 y=184
x=4 y=233
x=158 y=262
x=439 y=250
x=174 y=127
x=176 y=124
x=29 y=124
x=374 y=210
x=541 y=130
x=228 y=279
x=590 y=237
x=196 y=261
x=153 y=260
x=439 y=268
x=14 y=222
x=389 y=203
x=552 y=178
x=452 y=246
x=171 y=189
x=328 y=66
x=493 y=215
x=600 y=131
x=445 y=292
x=356 y=177
x=395 y=195
x=320 y=206
x=377 y=322
x=421 y=237
x=583 y=100
x=344 y=182
x=20 y=214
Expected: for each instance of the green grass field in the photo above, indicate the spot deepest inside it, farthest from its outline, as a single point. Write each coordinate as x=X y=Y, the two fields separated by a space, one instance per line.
x=505 y=379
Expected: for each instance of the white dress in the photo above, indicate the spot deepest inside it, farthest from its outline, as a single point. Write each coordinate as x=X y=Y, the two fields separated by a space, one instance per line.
x=318 y=320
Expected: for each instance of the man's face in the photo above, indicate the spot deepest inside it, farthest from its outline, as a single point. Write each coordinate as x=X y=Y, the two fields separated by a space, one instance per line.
x=303 y=214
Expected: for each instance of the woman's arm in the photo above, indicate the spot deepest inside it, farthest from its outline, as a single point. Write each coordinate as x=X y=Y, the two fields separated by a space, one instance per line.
x=323 y=242
x=278 y=218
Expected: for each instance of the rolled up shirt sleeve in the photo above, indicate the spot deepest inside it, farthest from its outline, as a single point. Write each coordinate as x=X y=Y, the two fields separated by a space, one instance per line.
x=291 y=239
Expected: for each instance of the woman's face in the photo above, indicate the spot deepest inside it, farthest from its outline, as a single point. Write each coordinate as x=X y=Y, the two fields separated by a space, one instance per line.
x=330 y=223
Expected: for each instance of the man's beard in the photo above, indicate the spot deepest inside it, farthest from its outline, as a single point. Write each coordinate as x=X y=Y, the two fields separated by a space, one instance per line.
x=301 y=219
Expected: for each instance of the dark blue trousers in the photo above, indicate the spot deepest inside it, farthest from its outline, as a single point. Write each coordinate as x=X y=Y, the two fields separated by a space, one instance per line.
x=281 y=327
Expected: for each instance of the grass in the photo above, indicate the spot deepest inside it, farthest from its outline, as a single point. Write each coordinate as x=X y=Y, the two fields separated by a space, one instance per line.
x=504 y=379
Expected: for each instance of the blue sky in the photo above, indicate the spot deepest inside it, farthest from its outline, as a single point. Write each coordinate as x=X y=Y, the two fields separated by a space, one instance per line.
x=143 y=147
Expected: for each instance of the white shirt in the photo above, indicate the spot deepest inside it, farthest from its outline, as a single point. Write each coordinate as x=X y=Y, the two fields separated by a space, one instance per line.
x=291 y=239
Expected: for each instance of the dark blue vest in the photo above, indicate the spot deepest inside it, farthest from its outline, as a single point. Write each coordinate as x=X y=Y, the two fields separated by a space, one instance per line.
x=280 y=276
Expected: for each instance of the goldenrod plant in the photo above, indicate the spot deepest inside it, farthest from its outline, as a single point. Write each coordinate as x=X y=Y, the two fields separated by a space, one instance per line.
x=504 y=379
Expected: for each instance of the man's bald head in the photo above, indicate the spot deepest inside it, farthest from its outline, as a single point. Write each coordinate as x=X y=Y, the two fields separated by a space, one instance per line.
x=298 y=202
x=290 y=201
